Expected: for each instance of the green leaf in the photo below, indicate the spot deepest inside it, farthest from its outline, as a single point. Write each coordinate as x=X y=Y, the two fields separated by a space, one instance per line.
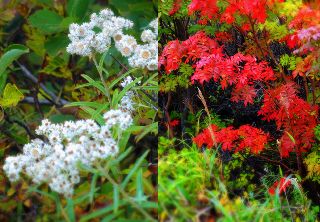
x=61 y=118
x=140 y=197
x=116 y=198
x=152 y=128
x=134 y=169
x=54 y=44
x=85 y=104
x=57 y=66
x=12 y=53
x=94 y=83
x=93 y=187
x=100 y=212
x=77 y=8
x=11 y=96
x=46 y=21
x=70 y=210
x=291 y=137
x=116 y=98
x=66 y=22
x=94 y=115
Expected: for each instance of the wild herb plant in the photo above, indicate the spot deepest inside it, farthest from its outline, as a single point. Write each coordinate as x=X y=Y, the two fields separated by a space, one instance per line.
x=90 y=157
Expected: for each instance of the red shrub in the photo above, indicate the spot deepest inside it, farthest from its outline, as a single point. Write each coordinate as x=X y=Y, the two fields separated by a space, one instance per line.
x=293 y=115
x=233 y=139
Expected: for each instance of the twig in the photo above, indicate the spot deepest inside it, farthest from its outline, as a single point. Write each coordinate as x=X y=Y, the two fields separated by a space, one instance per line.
x=32 y=100
x=102 y=79
x=36 y=102
x=55 y=99
x=277 y=162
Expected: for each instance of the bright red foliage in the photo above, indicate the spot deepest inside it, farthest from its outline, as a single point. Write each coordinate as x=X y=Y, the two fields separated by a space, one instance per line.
x=246 y=94
x=233 y=139
x=208 y=9
x=206 y=137
x=305 y=18
x=292 y=40
x=254 y=9
x=293 y=115
x=223 y=36
x=171 y=56
x=238 y=70
x=210 y=63
x=176 y=7
x=283 y=184
x=190 y=50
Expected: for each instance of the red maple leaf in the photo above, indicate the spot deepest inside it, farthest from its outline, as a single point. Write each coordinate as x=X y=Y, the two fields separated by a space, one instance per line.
x=246 y=94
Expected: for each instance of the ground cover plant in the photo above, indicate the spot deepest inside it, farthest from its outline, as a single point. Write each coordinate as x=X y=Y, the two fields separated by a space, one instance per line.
x=239 y=95
x=78 y=107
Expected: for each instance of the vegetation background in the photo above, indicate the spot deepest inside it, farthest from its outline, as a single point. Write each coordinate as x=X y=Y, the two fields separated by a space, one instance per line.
x=222 y=173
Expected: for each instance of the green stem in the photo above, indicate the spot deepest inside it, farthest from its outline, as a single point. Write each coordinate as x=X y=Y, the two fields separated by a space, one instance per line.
x=102 y=79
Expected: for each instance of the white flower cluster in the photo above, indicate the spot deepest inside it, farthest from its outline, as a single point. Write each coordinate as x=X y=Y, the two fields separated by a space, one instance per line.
x=86 y=40
x=143 y=56
x=126 y=103
x=55 y=161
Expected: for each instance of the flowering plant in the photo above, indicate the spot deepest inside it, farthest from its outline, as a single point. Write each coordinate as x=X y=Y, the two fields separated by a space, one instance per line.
x=91 y=151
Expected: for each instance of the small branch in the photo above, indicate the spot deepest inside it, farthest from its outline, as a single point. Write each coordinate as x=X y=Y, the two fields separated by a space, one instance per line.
x=277 y=162
x=36 y=102
x=55 y=99
x=102 y=79
x=167 y=115
x=31 y=100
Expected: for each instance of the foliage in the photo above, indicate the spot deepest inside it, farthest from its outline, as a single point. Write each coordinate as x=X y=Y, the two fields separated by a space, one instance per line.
x=39 y=80
x=255 y=64
x=195 y=187
x=233 y=139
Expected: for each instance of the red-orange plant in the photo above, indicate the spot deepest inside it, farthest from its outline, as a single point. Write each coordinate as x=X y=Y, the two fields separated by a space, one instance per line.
x=233 y=139
x=244 y=75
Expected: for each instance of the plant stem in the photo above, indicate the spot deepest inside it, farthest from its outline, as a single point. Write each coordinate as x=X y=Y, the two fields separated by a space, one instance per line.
x=102 y=79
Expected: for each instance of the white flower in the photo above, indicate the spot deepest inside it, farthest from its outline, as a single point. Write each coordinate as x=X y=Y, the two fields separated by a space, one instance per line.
x=154 y=24
x=86 y=40
x=55 y=162
x=13 y=167
x=148 y=36
x=113 y=117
